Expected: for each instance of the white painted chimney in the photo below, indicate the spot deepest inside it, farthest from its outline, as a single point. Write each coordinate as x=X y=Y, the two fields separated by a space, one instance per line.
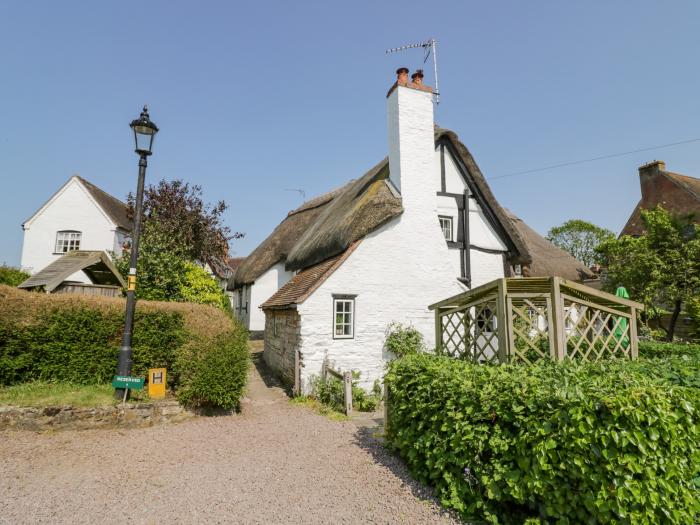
x=412 y=143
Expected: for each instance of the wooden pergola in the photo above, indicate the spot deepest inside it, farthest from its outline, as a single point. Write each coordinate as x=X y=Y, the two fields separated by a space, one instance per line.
x=514 y=320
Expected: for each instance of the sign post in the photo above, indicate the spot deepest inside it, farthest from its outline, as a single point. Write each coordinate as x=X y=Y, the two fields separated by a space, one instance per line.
x=127 y=383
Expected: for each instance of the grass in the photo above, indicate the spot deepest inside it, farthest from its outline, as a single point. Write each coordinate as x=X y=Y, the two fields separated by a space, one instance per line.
x=319 y=408
x=41 y=394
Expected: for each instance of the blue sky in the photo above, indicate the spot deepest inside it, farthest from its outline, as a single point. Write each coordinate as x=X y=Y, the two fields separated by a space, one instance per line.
x=256 y=97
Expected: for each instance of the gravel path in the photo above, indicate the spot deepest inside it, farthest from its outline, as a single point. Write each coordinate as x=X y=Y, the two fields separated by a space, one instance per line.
x=273 y=463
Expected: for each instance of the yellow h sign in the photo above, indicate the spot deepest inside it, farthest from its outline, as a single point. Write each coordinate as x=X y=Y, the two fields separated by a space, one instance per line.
x=156 y=383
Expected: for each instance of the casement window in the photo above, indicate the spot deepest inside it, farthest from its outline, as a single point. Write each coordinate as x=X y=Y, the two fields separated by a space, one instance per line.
x=67 y=241
x=343 y=317
x=446 y=225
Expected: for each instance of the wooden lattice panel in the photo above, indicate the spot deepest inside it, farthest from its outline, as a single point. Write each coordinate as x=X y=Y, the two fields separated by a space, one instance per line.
x=529 y=322
x=593 y=333
x=471 y=332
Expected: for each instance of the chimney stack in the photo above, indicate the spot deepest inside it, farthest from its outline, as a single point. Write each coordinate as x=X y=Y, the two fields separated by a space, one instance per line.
x=650 y=179
x=412 y=145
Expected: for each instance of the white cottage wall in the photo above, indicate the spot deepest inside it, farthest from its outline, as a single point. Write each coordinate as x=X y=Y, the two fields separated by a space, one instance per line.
x=70 y=209
x=264 y=287
x=390 y=285
x=394 y=272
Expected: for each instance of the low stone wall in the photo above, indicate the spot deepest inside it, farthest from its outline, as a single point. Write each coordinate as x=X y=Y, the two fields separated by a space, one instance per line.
x=72 y=418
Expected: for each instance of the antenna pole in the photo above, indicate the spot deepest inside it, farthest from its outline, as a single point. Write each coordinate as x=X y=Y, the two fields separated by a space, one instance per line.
x=431 y=47
x=433 y=43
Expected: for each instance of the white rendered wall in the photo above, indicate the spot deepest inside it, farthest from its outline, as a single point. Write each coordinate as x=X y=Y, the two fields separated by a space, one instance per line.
x=481 y=233
x=485 y=267
x=396 y=271
x=264 y=287
x=454 y=183
x=70 y=209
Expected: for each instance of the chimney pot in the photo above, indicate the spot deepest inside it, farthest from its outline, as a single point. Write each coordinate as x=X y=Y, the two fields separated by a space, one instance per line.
x=417 y=77
x=402 y=75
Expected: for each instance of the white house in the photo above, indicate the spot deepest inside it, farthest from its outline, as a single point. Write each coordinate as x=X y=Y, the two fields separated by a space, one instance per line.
x=419 y=226
x=79 y=216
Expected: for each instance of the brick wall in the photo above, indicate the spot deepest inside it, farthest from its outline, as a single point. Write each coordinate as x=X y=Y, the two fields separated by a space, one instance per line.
x=281 y=342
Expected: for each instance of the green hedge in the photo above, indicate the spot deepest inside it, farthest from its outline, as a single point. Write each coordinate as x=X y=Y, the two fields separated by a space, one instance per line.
x=663 y=349
x=76 y=339
x=214 y=374
x=567 y=444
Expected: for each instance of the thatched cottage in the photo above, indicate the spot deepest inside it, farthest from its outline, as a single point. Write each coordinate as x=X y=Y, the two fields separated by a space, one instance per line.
x=419 y=226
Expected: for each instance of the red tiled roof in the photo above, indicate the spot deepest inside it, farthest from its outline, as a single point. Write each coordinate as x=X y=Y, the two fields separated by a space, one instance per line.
x=306 y=281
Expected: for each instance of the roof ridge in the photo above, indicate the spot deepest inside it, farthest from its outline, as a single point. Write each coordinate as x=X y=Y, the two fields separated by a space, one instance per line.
x=94 y=186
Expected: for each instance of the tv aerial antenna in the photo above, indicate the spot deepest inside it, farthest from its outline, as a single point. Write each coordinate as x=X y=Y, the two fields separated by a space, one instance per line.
x=430 y=47
x=301 y=193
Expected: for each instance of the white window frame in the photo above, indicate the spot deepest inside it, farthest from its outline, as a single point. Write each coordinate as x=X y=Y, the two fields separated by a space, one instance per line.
x=450 y=223
x=344 y=300
x=67 y=241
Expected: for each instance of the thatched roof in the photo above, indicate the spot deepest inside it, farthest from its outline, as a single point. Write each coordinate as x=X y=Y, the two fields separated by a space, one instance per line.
x=547 y=259
x=95 y=264
x=325 y=226
x=362 y=206
x=280 y=242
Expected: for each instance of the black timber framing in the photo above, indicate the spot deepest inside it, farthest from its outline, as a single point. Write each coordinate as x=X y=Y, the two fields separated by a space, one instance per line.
x=444 y=142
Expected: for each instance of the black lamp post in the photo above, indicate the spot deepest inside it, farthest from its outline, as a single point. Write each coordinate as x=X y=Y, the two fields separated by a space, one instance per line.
x=144 y=133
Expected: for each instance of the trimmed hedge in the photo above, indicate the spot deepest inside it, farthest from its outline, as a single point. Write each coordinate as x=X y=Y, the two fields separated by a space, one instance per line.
x=76 y=339
x=610 y=442
x=664 y=349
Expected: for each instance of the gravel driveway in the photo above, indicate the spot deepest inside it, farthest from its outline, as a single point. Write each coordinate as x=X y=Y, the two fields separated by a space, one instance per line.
x=273 y=463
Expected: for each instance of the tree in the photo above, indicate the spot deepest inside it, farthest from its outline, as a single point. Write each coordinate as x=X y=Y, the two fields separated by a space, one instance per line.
x=179 y=234
x=580 y=239
x=166 y=274
x=660 y=268
x=196 y=228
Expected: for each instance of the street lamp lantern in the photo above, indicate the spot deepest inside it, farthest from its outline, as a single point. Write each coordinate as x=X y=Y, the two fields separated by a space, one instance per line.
x=144 y=132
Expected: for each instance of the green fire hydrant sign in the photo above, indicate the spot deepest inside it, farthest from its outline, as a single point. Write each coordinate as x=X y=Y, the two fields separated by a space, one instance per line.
x=132 y=383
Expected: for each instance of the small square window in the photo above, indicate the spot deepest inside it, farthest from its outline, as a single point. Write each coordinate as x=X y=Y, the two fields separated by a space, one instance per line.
x=67 y=241
x=446 y=225
x=343 y=322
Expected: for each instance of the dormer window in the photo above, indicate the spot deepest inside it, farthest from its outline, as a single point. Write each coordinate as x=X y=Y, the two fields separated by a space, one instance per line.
x=67 y=241
x=446 y=225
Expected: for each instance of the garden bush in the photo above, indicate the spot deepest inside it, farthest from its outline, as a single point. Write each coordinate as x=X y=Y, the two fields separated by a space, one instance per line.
x=331 y=392
x=213 y=373
x=403 y=340
x=75 y=339
x=12 y=276
x=606 y=442
x=664 y=349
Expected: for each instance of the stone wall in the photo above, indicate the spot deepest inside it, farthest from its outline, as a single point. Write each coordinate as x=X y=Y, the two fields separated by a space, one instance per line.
x=282 y=328
x=72 y=418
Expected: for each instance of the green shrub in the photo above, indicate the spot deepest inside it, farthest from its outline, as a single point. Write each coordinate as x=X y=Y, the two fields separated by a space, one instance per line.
x=563 y=443
x=12 y=276
x=213 y=374
x=76 y=339
x=664 y=349
x=331 y=392
x=403 y=340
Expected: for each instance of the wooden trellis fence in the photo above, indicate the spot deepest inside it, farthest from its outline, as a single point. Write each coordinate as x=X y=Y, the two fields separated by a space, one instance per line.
x=525 y=319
